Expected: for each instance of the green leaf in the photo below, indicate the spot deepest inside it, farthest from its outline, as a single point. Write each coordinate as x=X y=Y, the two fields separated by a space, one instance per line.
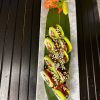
x=54 y=18
x=50 y=93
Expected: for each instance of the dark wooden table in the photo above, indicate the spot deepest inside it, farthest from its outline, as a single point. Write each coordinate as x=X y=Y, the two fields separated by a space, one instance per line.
x=19 y=40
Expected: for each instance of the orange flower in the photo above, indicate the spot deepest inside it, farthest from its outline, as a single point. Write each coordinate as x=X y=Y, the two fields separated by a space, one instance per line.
x=61 y=5
x=51 y=3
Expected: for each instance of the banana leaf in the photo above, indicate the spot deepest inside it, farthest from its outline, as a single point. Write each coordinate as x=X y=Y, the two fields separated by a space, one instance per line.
x=54 y=18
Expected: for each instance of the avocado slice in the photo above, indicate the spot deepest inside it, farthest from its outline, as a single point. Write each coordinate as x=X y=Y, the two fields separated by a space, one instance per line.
x=47 y=78
x=68 y=46
x=49 y=61
x=59 y=94
x=51 y=65
x=61 y=91
x=67 y=57
x=56 y=32
x=61 y=30
x=49 y=44
x=53 y=33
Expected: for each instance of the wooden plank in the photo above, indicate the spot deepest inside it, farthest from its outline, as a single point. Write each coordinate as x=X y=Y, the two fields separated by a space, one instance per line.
x=17 y=56
x=81 y=54
x=98 y=26
x=25 y=66
x=3 y=25
x=34 y=50
x=8 y=51
x=90 y=22
x=94 y=48
x=94 y=21
x=1 y=1
x=88 y=48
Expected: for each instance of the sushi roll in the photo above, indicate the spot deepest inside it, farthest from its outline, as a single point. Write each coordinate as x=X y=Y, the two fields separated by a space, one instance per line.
x=66 y=44
x=56 y=32
x=49 y=44
x=55 y=73
x=61 y=91
x=49 y=77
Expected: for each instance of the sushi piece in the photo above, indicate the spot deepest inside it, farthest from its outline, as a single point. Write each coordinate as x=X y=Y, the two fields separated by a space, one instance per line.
x=63 y=73
x=49 y=44
x=62 y=57
x=61 y=91
x=59 y=71
x=49 y=61
x=52 y=46
x=66 y=44
x=56 y=32
x=49 y=78
x=51 y=65
x=59 y=45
